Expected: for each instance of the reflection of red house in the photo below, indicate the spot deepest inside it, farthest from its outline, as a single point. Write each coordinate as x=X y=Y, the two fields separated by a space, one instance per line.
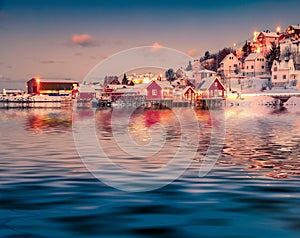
x=152 y=117
x=211 y=88
x=158 y=90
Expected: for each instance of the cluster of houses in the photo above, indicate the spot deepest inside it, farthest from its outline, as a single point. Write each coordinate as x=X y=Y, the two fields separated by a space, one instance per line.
x=284 y=71
x=195 y=81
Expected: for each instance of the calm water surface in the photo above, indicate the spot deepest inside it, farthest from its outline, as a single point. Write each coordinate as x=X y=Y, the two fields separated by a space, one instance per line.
x=253 y=190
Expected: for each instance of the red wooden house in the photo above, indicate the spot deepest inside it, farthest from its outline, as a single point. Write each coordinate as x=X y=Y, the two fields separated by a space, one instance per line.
x=189 y=93
x=159 y=90
x=211 y=88
x=52 y=87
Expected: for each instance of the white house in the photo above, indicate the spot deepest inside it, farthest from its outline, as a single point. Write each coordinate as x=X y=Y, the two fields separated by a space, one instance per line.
x=255 y=64
x=283 y=73
x=229 y=65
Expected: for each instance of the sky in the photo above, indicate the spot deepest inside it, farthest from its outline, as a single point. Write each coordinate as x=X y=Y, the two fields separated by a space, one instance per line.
x=66 y=39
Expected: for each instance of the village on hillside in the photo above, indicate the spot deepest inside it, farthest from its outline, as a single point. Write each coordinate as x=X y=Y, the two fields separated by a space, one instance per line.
x=270 y=61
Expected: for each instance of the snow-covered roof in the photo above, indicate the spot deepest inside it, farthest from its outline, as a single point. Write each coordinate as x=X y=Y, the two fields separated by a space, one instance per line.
x=284 y=64
x=115 y=86
x=253 y=56
x=53 y=80
x=131 y=89
x=207 y=71
x=140 y=85
x=186 y=89
x=270 y=34
x=227 y=56
x=86 y=89
x=206 y=83
x=297 y=27
x=163 y=84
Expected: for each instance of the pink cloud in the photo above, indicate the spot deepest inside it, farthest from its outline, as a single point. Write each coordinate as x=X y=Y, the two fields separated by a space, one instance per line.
x=156 y=46
x=192 y=52
x=83 y=40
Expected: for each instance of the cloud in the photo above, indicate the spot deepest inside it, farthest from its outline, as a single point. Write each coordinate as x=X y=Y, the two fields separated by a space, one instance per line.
x=156 y=47
x=50 y=62
x=193 y=52
x=3 y=78
x=83 y=40
x=47 y=62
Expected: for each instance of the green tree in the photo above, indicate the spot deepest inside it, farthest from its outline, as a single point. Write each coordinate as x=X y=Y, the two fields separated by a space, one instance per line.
x=189 y=67
x=274 y=54
x=247 y=49
x=206 y=56
x=124 y=80
x=170 y=75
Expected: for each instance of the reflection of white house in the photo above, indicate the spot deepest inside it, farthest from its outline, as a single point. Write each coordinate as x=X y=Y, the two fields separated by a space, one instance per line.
x=283 y=72
x=229 y=65
x=255 y=64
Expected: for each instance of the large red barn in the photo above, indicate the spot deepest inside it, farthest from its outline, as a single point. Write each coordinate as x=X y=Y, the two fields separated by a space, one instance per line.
x=52 y=87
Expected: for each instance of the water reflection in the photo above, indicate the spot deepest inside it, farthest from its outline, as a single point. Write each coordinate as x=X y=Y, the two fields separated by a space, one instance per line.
x=49 y=121
x=263 y=144
x=44 y=185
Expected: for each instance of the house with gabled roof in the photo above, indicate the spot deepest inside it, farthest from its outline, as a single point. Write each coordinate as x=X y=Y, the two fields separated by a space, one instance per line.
x=211 y=88
x=283 y=72
x=255 y=64
x=229 y=65
x=189 y=93
x=159 y=90
x=264 y=41
x=293 y=31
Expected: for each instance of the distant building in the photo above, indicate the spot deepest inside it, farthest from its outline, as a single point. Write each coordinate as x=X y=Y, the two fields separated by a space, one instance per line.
x=293 y=32
x=229 y=65
x=12 y=92
x=211 y=88
x=264 y=41
x=86 y=92
x=52 y=87
x=255 y=64
x=189 y=94
x=283 y=72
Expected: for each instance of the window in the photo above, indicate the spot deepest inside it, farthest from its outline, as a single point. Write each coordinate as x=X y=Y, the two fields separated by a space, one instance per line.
x=252 y=67
x=262 y=66
x=154 y=92
x=284 y=76
x=275 y=76
x=275 y=68
x=235 y=65
x=247 y=67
